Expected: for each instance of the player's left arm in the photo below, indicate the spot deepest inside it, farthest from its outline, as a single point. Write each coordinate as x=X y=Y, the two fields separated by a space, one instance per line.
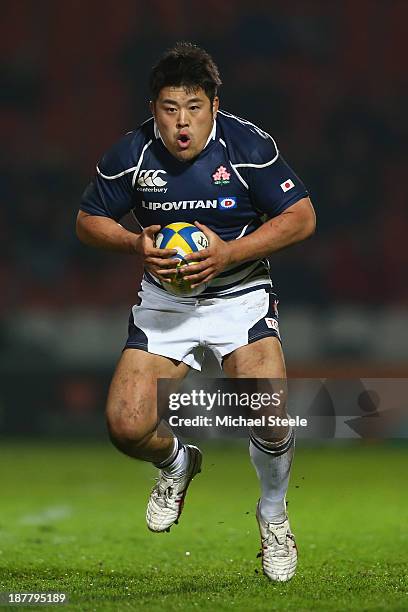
x=293 y=225
x=275 y=191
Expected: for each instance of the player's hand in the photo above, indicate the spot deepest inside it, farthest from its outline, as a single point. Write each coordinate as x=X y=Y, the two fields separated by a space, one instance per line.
x=158 y=262
x=210 y=261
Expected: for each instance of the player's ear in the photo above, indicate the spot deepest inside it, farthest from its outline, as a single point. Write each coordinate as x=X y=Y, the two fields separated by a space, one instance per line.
x=215 y=106
x=151 y=106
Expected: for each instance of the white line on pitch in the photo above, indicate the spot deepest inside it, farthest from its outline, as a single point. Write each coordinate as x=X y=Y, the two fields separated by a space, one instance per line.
x=50 y=514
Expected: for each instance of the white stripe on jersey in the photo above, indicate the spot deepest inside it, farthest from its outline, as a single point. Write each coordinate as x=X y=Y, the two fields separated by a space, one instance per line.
x=246 y=122
x=250 y=284
x=134 y=169
x=251 y=277
x=244 y=229
x=239 y=177
x=115 y=176
x=261 y=133
x=139 y=163
x=233 y=278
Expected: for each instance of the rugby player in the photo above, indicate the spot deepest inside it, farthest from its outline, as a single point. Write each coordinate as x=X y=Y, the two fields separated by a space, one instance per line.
x=194 y=163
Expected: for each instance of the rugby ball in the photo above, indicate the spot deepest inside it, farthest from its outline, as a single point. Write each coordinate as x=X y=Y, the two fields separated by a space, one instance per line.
x=185 y=238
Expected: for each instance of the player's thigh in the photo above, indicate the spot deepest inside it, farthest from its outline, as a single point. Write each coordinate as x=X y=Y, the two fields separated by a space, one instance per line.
x=261 y=359
x=132 y=397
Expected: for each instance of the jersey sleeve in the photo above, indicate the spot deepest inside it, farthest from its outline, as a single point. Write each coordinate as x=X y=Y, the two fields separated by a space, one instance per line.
x=274 y=187
x=110 y=192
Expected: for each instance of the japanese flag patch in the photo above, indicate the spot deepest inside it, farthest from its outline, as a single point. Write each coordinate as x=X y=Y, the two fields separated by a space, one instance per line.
x=286 y=185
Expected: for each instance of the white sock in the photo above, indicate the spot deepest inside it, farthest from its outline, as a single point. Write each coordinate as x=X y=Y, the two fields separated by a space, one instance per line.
x=272 y=461
x=176 y=464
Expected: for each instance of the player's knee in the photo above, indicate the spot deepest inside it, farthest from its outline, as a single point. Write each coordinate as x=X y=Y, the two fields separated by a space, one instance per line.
x=129 y=430
x=128 y=439
x=126 y=431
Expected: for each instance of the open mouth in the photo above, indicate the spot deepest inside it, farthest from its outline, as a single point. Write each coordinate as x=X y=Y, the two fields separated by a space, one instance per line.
x=183 y=141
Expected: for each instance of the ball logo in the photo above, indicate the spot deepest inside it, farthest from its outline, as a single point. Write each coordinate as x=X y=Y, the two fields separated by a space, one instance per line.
x=226 y=203
x=200 y=240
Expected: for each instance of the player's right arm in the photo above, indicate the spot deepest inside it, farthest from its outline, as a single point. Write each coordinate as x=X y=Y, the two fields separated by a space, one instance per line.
x=106 y=233
x=106 y=200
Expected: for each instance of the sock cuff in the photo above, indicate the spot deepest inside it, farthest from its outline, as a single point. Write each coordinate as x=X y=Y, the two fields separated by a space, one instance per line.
x=274 y=448
x=176 y=447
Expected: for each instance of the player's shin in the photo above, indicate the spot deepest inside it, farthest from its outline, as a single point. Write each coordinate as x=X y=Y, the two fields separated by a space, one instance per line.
x=272 y=462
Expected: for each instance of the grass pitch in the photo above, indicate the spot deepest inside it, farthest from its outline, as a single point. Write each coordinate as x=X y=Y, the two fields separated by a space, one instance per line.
x=72 y=519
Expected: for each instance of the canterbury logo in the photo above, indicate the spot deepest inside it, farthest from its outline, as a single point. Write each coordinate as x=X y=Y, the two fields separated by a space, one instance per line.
x=151 y=178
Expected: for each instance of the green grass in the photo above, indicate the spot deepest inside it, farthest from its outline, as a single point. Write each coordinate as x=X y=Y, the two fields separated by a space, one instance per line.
x=72 y=519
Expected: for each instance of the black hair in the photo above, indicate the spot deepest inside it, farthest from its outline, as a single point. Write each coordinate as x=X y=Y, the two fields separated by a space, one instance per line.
x=185 y=65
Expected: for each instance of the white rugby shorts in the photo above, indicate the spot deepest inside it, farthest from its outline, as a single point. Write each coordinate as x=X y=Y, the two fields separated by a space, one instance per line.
x=181 y=329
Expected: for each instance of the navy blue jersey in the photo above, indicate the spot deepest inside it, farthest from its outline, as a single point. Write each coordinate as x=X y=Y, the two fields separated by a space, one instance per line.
x=238 y=181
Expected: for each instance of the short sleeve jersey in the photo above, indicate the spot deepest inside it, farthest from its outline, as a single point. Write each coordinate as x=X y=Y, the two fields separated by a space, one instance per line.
x=237 y=182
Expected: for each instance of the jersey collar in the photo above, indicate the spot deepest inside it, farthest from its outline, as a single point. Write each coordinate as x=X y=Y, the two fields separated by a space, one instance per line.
x=212 y=133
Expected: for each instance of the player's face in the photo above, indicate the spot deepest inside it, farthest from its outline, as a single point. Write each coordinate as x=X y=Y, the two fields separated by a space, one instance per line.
x=185 y=120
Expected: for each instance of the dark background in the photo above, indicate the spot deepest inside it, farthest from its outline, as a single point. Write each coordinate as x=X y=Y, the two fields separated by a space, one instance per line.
x=326 y=79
